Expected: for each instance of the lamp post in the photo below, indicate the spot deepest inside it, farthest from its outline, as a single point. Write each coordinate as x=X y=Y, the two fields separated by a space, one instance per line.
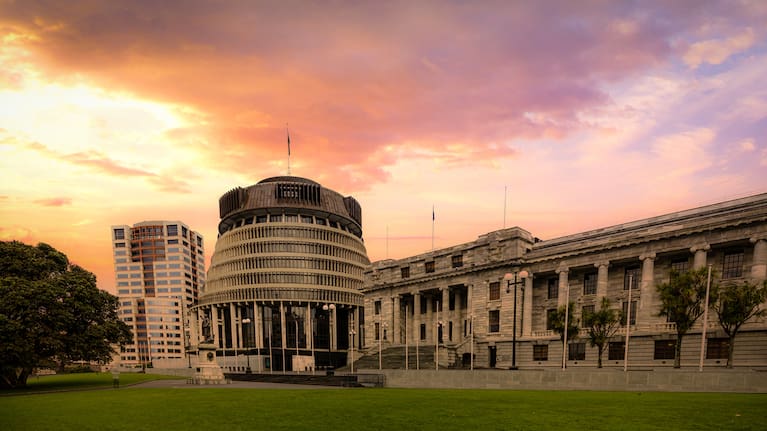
x=329 y=308
x=247 y=356
x=381 y=328
x=508 y=277
x=352 y=333
x=471 y=333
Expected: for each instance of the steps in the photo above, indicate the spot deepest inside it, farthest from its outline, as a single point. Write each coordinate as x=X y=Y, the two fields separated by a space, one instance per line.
x=393 y=358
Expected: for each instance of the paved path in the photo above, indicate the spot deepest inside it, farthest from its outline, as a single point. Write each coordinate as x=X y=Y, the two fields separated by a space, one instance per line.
x=181 y=384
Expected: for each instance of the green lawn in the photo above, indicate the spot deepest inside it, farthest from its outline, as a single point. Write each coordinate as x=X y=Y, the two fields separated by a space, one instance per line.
x=137 y=408
x=79 y=381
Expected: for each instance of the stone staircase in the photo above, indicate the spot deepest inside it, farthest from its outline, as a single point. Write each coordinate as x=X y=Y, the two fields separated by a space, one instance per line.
x=393 y=358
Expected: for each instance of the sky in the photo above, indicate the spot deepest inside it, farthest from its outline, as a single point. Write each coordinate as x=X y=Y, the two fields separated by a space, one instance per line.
x=555 y=116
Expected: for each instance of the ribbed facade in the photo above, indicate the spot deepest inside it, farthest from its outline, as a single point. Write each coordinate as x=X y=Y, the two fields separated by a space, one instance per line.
x=287 y=249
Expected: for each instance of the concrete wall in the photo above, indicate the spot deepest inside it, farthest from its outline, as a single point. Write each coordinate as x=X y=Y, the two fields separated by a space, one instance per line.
x=597 y=380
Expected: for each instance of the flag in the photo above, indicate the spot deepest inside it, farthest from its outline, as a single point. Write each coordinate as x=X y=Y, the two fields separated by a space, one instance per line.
x=288 y=132
x=432 y=213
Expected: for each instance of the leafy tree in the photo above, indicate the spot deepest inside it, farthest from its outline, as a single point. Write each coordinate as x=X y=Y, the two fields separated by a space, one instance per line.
x=557 y=324
x=682 y=302
x=51 y=313
x=601 y=325
x=736 y=303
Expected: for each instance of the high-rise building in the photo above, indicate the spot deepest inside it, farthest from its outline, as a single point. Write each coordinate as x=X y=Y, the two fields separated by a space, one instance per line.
x=159 y=272
x=284 y=286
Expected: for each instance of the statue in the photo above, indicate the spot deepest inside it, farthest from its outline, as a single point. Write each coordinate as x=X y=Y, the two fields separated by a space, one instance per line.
x=207 y=334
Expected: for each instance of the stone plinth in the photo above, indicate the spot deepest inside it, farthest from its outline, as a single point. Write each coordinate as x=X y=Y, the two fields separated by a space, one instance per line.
x=208 y=371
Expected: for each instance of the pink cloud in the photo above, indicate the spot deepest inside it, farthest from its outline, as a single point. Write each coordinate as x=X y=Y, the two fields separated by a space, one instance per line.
x=54 y=202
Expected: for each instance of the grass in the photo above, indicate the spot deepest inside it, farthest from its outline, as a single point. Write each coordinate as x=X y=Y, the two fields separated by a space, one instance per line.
x=380 y=409
x=80 y=381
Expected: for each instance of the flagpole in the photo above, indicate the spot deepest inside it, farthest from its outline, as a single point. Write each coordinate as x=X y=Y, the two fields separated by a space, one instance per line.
x=432 y=228
x=387 y=241
x=288 y=132
x=504 y=206
x=705 y=320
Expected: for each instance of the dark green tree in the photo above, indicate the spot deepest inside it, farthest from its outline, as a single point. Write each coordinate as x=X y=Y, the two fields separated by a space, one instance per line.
x=51 y=313
x=600 y=326
x=557 y=324
x=682 y=302
x=736 y=303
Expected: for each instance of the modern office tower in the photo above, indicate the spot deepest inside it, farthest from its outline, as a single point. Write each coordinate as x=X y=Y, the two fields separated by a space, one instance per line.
x=284 y=286
x=159 y=272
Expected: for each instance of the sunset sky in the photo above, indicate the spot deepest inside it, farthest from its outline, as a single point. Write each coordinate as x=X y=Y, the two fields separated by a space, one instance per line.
x=590 y=113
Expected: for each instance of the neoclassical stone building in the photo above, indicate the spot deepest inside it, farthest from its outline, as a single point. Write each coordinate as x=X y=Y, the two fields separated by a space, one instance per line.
x=284 y=289
x=458 y=297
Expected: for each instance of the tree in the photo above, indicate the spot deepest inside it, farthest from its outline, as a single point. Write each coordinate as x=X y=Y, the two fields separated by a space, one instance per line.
x=557 y=324
x=51 y=313
x=682 y=299
x=736 y=303
x=601 y=325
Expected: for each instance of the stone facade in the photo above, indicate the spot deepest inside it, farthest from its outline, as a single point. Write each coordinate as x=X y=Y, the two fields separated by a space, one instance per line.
x=449 y=293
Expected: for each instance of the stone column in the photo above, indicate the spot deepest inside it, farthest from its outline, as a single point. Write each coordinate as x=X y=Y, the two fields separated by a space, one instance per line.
x=564 y=288
x=429 y=320
x=416 y=317
x=214 y=326
x=759 y=267
x=458 y=317
x=444 y=316
x=700 y=251
x=527 y=307
x=283 y=330
x=257 y=324
x=333 y=324
x=648 y=297
x=602 y=273
x=235 y=326
x=397 y=323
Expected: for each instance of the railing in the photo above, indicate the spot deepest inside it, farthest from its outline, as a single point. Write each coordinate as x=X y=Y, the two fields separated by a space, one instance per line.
x=544 y=334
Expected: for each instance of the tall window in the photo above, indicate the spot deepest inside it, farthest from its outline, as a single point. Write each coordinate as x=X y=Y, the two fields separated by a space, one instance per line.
x=633 y=313
x=680 y=265
x=429 y=266
x=119 y=233
x=632 y=276
x=422 y=332
x=457 y=261
x=576 y=352
x=494 y=321
x=717 y=348
x=590 y=284
x=495 y=291
x=550 y=315
x=378 y=307
x=378 y=331
x=405 y=272
x=540 y=352
x=586 y=310
x=553 y=288
x=732 y=265
x=664 y=349
x=616 y=351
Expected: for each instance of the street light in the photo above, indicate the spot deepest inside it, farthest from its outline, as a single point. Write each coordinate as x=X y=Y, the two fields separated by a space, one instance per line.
x=381 y=328
x=247 y=369
x=329 y=308
x=352 y=333
x=508 y=277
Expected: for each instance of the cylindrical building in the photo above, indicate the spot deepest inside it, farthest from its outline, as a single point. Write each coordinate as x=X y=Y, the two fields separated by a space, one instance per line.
x=283 y=290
